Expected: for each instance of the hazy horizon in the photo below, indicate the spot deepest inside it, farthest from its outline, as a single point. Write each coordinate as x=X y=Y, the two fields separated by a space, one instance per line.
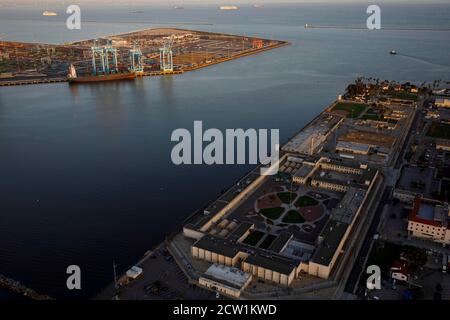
x=212 y=2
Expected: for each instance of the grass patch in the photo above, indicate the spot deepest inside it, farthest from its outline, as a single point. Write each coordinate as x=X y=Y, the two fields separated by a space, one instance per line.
x=267 y=241
x=272 y=213
x=287 y=197
x=293 y=216
x=403 y=95
x=353 y=109
x=305 y=201
x=439 y=130
x=253 y=238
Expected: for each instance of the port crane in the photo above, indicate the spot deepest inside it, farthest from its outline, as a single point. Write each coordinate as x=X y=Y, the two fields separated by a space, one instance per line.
x=107 y=56
x=166 y=55
x=136 y=64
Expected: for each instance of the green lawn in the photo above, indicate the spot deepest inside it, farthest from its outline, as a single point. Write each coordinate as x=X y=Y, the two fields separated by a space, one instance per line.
x=293 y=216
x=305 y=201
x=287 y=197
x=403 y=95
x=353 y=109
x=439 y=130
x=253 y=238
x=272 y=213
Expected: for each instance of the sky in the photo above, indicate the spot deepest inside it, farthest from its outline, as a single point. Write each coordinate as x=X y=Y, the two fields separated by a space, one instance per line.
x=210 y=2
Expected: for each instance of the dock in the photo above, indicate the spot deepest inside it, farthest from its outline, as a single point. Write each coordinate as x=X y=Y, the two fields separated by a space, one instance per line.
x=149 y=52
x=31 y=81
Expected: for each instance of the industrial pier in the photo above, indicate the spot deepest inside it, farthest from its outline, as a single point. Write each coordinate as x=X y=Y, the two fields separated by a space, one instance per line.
x=151 y=52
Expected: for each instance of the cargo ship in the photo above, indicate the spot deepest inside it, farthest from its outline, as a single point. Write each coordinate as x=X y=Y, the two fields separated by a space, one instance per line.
x=229 y=8
x=73 y=78
x=49 y=14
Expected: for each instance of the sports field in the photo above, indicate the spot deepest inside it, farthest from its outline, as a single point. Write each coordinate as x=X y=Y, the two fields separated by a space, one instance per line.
x=353 y=109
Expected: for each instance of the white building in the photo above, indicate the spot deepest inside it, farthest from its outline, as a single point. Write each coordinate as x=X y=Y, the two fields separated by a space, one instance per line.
x=225 y=280
x=430 y=220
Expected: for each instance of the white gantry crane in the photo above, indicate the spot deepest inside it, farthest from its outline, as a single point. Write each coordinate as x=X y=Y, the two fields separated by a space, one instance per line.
x=166 y=55
x=136 y=64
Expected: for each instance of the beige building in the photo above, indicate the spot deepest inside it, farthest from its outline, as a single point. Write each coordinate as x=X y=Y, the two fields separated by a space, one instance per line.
x=273 y=269
x=443 y=144
x=442 y=103
x=225 y=280
x=430 y=219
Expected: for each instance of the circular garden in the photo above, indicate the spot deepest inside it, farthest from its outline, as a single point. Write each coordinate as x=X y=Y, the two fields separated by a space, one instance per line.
x=289 y=208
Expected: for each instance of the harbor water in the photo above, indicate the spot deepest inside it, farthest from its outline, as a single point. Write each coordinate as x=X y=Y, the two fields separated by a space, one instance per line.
x=86 y=176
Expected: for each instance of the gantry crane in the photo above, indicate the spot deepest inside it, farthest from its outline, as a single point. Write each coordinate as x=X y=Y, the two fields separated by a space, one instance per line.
x=166 y=55
x=103 y=53
x=136 y=64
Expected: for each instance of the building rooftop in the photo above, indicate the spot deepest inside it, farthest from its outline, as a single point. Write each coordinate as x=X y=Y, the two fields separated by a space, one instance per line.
x=279 y=243
x=229 y=276
x=273 y=262
x=355 y=146
x=329 y=241
x=347 y=208
x=240 y=231
x=217 y=245
x=304 y=170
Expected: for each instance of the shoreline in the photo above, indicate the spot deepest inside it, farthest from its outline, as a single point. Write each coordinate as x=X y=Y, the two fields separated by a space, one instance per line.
x=52 y=79
x=179 y=226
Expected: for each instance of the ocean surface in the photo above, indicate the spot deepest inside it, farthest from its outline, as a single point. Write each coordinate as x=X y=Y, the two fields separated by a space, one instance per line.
x=85 y=172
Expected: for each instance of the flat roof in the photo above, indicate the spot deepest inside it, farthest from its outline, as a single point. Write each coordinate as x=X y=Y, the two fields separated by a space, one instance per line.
x=426 y=211
x=229 y=276
x=240 y=230
x=353 y=146
x=369 y=138
x=217 y=245
x=329 y=239
x=304 y=170
x=272 y=262
x=347 y=208
x=280 y=241
x=298 y=250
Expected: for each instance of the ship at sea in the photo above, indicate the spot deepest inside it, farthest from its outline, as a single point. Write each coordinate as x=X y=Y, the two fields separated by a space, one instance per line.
x=73 y=78
x=107 y=68
x=229 y=8
x=49 y=14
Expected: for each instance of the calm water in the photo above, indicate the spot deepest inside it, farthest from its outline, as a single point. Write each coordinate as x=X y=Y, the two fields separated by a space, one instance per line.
x=85 y=172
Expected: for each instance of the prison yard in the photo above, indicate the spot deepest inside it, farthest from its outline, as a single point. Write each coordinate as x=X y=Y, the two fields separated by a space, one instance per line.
x=352 y=110
x=298 y=233
x=187 y=50
x=292 y=229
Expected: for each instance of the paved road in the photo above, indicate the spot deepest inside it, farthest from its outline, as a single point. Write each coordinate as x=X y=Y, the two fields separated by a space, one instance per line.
x=365 y=248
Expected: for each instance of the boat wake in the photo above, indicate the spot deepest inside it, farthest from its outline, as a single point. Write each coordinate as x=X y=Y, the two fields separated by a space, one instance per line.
x=424 y=60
